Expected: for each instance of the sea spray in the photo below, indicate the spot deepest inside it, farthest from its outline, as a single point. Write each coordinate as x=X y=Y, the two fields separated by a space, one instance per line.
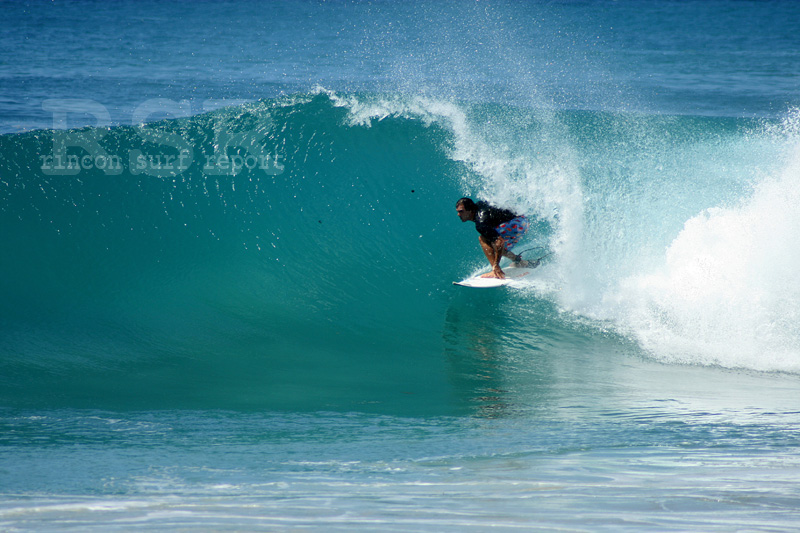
x=521 y=159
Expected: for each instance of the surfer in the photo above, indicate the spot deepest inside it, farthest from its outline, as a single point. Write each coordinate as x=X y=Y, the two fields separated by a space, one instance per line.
x=500 y=229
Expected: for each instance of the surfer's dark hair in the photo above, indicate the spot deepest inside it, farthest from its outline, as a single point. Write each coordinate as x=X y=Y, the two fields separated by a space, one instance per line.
x=467 y=204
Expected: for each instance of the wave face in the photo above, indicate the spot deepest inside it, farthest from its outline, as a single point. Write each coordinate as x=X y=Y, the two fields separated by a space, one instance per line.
x=298 y=253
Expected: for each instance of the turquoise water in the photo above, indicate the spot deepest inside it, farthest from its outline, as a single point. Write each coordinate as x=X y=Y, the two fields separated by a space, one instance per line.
x=230 y=239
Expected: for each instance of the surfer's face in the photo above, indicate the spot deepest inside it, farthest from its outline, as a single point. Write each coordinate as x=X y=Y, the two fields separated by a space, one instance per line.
x=463 y=214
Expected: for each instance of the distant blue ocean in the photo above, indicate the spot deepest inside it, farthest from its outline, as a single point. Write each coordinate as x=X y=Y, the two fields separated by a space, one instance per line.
x=229 y=240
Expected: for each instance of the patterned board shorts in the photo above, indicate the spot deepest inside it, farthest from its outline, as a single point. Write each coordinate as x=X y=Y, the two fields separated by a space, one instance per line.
x=513 y=230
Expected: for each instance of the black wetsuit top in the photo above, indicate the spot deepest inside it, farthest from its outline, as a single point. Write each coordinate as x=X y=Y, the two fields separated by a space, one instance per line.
x=488 y=217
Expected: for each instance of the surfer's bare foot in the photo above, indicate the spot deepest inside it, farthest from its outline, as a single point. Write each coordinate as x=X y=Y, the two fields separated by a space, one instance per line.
x=496 y=273
x=521 y=264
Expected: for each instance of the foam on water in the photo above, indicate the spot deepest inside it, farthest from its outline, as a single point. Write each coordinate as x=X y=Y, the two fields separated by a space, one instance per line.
x=727 y=292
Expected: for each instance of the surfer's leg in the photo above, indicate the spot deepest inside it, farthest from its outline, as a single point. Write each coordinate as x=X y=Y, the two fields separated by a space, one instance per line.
x=516 y=260
x=491 y=252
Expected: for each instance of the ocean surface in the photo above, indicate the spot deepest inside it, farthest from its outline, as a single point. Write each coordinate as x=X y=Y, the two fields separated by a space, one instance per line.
x=229 y=239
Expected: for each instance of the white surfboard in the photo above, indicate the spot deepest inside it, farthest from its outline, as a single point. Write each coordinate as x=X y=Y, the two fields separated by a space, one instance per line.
x=514 y=276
